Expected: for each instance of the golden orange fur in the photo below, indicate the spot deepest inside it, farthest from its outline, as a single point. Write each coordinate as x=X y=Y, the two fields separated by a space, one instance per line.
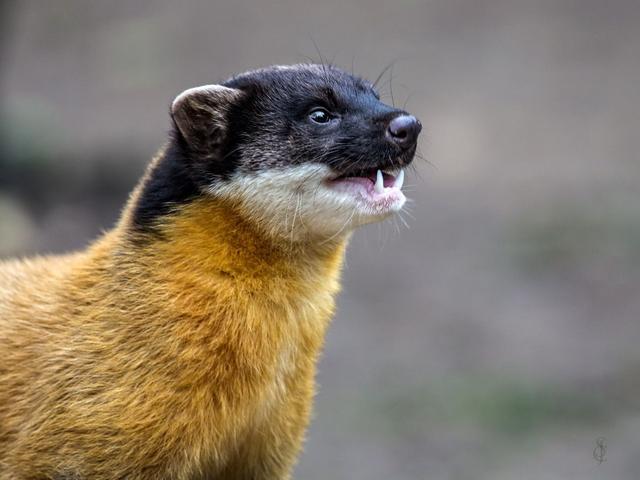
x=191 y=355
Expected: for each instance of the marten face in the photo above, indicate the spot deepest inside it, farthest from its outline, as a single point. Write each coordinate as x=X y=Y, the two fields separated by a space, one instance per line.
x=304 y=151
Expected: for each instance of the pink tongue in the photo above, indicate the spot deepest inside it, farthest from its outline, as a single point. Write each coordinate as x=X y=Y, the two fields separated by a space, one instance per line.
x=388 y=180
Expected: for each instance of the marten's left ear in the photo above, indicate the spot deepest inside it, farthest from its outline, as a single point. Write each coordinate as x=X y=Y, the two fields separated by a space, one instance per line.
x=201 y=115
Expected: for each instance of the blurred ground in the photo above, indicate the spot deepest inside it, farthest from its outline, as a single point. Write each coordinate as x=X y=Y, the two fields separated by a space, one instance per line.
x=497 y=336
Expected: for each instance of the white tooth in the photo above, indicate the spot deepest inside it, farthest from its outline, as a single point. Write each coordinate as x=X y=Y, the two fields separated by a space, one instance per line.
x=399 y=180
x=379 y=186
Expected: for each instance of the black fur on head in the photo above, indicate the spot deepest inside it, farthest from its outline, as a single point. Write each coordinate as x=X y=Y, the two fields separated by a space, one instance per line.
x=271 y=118
x=275 y=128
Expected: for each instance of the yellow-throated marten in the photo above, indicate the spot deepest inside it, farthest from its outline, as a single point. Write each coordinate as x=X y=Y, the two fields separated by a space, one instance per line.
x=182 y=344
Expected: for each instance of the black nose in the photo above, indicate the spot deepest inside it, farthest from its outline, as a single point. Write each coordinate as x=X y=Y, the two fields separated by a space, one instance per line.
x=404 y=130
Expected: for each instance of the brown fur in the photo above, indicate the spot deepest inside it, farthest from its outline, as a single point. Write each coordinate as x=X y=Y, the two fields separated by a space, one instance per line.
x=189 y=356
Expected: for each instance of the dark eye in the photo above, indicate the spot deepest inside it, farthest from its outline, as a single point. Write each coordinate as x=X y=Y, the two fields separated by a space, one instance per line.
x=320 y=115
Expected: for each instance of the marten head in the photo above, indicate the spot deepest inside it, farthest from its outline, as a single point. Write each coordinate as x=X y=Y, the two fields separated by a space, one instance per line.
x=303 y=151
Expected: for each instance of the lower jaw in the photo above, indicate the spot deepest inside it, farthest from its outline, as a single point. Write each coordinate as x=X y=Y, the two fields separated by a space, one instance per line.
x=383 y=205
x=371 y=203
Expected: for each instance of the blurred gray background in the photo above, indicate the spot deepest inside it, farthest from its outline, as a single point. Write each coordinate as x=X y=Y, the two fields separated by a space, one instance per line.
x=495 y=337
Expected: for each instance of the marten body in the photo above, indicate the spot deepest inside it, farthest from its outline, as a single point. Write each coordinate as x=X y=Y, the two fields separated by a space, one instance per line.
x=182 y=344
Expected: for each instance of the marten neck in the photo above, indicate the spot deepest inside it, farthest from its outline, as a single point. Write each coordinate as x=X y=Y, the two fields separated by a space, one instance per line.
x=210 y=235
x=176 y=237
x=169 y=223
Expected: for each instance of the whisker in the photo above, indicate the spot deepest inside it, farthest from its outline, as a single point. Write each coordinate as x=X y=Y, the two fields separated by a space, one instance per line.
x=347 y=222
x=384 y=70
x=403 y=221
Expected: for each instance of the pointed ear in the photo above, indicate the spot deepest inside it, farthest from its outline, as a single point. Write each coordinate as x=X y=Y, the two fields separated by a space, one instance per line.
x=201 y=115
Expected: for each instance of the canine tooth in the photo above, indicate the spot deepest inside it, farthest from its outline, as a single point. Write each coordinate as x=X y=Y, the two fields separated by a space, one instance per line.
x=399 y=180
x=379 y=186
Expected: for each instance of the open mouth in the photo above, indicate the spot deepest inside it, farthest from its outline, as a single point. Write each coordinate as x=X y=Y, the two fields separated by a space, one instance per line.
x=378 y=191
